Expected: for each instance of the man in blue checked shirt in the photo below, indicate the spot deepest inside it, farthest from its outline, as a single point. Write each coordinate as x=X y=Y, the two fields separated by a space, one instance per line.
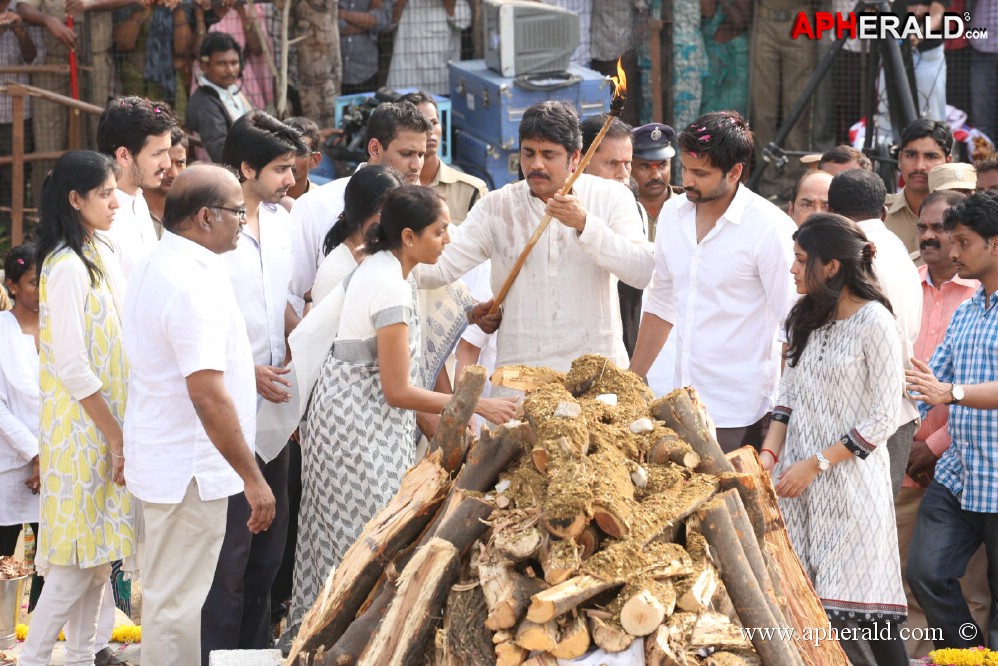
x=959 y=510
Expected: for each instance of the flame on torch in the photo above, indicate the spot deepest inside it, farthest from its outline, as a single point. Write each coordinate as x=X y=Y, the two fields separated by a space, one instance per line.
x=619 y=91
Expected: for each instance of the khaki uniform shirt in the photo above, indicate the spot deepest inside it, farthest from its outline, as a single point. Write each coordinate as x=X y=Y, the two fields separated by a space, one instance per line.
x=901 y=219
x=653 y=221
x=460 y=190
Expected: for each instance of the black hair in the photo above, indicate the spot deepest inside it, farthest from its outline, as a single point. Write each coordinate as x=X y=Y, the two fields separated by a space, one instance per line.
x=949 y=197
x=18 y=261
x=219 y=42
x=258 y=139
x=723 y=137
x=593 y=124
x=989 y=163
x=80 y=171
x=308 y=129
x=800 y=182
x=978 y=212
x=407 y=207
x=364 y=196
x=843 y=155
x=555 y=121
x=183 y=203
x=419 y=97
x=858 y=194
x=824 y=237
x=388 y=119
x=937 y=130
x=178 y=137
x=128 y=121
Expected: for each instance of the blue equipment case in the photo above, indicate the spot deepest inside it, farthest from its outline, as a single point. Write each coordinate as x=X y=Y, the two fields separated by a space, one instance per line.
x=491 y=106
x=479 y=157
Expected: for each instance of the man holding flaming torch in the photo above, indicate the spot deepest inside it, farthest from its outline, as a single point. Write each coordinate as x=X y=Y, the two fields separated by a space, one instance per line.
x=564 y=303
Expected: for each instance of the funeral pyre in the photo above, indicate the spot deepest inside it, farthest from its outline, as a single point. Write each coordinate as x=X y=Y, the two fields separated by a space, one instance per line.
x=605 y=523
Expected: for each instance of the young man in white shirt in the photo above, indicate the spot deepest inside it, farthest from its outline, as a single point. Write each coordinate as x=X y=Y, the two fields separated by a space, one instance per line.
x=261 y=149
x=860 y=195
x=564 y=302
x=191 y=416
x=722 y=281
x=136 y=133
x=396 y=136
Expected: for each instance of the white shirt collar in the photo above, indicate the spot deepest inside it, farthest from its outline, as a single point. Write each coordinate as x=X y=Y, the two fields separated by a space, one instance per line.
x=195 y=250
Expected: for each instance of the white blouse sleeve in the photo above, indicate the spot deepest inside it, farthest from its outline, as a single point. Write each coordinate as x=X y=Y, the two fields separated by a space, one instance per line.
x=66 y=295
x=13 y=432
x=885 y=376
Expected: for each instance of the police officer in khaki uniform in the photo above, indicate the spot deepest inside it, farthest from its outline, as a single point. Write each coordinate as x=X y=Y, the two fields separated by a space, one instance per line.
x=652 y=169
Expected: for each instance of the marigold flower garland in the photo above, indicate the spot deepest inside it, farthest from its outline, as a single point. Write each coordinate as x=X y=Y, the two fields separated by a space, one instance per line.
x=979 y=656
x=122 y=634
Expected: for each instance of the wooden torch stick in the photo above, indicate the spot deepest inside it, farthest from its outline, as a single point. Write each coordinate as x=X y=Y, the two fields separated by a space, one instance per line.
x=616 y=106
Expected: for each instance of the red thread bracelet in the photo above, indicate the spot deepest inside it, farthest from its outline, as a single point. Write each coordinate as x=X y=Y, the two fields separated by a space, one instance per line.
x=775 y=457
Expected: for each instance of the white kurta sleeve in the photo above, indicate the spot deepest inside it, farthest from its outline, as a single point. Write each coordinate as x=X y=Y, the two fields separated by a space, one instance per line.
x=67 y=286
x=617 y=243
x=471 y=245
x=885 y=382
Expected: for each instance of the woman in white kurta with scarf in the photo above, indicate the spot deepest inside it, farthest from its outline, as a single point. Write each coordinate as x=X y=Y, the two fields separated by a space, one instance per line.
x=358 y=438
x=87 y=516
x=19 y=399
x=839 y=401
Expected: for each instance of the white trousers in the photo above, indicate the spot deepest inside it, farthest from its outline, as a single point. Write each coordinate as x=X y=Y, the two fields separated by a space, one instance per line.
x=71 y=597
x=182 y=542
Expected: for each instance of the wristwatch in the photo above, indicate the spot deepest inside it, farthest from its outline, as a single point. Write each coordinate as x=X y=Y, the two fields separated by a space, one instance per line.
x=956 y=392
x=823 y=462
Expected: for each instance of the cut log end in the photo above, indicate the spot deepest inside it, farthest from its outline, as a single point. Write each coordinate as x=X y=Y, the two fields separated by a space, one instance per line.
x=609 y=636
x=566 y=527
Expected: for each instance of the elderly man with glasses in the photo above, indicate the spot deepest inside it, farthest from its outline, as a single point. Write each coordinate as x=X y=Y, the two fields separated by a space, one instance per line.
x=191 y=417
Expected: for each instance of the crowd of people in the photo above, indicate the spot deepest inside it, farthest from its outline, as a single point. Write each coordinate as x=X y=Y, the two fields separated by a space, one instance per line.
x=173 y=326
x=228 y=355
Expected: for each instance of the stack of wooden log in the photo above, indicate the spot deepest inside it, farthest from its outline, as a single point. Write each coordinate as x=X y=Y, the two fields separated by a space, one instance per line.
x=605 y=521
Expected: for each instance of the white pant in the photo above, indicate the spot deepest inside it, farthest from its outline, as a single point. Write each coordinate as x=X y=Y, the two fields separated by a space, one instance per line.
x=71 y=597
x=182 y=542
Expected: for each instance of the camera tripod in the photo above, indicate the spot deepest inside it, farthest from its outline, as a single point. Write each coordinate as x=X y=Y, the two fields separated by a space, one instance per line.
x=899 y=87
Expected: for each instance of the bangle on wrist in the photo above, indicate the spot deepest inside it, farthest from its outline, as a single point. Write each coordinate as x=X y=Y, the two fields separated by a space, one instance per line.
x=120 y=456
x=770 y=452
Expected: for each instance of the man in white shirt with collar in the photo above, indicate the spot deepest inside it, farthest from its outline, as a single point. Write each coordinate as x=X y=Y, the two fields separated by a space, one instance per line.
x=860 y=195
x=261 y=149
x=396 y=136
x=136 y=133
x=722 y=281
x=191 y=417
x=218 y=101
x=564 y=302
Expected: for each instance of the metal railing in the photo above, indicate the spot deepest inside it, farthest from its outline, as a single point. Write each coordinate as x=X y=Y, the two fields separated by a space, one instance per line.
x=18 y=157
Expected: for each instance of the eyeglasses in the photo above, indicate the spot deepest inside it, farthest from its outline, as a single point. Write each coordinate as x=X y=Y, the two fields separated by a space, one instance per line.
x=239 y=212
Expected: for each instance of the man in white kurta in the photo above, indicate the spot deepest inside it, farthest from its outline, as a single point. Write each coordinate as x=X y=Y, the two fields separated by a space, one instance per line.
x=262 y=149
x=564 y=302
x=190 y=421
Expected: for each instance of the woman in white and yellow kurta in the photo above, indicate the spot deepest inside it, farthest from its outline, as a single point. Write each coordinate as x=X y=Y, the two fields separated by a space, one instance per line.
x=87 y=516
